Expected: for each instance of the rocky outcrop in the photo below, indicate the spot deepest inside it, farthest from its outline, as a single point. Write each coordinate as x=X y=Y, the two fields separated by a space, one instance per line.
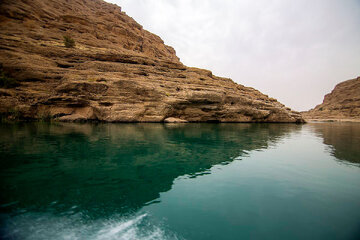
x=342 y=103
x=117 y=71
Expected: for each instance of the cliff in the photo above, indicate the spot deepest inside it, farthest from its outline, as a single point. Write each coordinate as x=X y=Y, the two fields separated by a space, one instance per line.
x=116 y=72
x=342 y=103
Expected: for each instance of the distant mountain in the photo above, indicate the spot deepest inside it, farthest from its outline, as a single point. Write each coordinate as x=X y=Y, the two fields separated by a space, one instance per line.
x=342 y=103
x=80 y=60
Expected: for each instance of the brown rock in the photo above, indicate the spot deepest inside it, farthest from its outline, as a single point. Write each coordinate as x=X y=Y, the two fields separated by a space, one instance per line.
x=343 y=103
x=174 y=120
x=73 y=118
x=117 y=71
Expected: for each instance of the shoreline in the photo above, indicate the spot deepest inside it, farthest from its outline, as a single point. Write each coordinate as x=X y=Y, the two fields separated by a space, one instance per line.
x=317 y=120
x=127 y=122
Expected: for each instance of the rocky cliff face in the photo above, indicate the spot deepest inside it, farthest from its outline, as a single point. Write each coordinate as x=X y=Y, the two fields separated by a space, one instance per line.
x=117 y=71
x=342 y=103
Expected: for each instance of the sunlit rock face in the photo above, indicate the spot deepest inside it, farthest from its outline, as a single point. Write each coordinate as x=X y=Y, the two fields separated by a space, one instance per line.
x=117 y=71
x=342 y=103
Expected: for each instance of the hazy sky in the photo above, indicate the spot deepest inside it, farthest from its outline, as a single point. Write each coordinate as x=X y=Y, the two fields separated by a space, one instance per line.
x=295 y=51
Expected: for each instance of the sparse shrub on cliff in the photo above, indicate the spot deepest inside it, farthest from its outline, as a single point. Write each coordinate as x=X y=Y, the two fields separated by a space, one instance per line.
x=7 y=82
x=12 y=114
x=69 y=42
x=44 y=116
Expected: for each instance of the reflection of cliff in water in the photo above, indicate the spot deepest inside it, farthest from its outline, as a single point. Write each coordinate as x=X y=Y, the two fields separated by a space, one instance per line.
x=344 y=138
x=112 y=167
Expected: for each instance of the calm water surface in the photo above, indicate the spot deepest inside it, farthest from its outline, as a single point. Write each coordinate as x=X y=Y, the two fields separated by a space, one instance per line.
x=180 y=181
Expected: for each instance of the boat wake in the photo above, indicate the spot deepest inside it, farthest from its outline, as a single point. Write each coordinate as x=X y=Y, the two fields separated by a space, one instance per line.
x=48 y=226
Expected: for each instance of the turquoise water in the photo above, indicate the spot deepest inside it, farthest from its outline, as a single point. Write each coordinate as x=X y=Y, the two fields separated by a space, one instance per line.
x=180 y=181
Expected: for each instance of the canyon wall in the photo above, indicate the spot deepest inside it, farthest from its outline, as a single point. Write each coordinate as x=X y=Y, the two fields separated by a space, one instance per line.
x=116 y=72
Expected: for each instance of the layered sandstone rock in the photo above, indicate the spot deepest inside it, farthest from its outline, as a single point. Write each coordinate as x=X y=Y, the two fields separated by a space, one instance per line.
x=342 y=103
x=117 y=72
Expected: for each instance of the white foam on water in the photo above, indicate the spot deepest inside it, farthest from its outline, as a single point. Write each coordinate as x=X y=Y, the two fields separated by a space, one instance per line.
x=47 y=226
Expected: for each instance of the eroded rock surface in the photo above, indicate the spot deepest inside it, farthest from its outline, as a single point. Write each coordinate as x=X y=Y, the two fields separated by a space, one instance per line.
x=342 y=103
x=117 y=72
